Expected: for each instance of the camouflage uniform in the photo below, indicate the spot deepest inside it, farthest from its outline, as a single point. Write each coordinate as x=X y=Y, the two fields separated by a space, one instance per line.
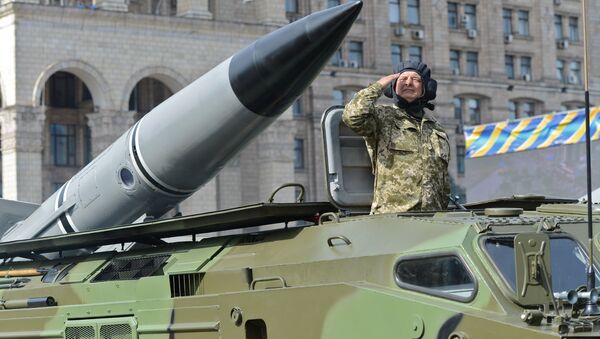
x=409 y=157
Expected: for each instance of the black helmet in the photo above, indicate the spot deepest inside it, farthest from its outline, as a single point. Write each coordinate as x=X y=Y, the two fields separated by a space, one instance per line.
x=429 y=84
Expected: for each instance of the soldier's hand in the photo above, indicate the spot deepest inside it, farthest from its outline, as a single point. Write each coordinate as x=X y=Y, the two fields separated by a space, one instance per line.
x=386 y=80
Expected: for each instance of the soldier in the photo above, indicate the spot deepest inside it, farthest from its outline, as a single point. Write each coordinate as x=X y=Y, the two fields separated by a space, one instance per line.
x=409 y=149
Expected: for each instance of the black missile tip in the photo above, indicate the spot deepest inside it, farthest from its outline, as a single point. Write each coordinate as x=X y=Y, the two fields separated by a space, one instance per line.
x=271 y=73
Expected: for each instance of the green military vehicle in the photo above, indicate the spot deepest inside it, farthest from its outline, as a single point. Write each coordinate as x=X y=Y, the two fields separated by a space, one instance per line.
x=499 y=269
x=512 y=267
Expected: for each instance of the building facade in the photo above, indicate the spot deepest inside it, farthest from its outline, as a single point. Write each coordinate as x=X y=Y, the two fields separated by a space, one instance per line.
x=74 y=75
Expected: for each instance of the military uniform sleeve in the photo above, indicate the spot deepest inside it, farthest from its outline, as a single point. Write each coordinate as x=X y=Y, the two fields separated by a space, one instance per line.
x=359 y=113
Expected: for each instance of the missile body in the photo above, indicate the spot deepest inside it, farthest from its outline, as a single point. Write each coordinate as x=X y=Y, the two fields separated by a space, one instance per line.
x=181 y=144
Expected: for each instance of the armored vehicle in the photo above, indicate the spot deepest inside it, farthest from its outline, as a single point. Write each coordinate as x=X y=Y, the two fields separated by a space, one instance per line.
x=512 y=267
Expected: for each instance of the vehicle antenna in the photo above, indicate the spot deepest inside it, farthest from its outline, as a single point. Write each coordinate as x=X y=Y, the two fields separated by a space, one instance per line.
x=590 y=307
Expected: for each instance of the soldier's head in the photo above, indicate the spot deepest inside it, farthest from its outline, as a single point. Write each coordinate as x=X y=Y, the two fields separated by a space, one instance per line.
x=413 y=84
x=409 y=85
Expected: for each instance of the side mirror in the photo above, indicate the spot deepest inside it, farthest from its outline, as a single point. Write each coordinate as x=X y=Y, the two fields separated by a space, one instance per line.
x=533 y=270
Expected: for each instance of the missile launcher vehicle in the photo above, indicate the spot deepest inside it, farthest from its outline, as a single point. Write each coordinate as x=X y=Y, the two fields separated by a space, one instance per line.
x=513 y=267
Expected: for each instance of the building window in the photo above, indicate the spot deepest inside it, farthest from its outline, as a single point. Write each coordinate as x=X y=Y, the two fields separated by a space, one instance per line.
x=355 y=53
x=291 y=6
x=509 y=66
x=507 y=21
x=298 y=153
x=452 y=15
x=333 y=3
x=414 y=17
x=338 y=97
x=87 y=144
x=474 y=111
x=460 y=159
x=521 y=108
x=455 y=61
x=414 y=53
x=523 y=22
x=62 y=90
x=396 y=54
x=297 y=108
x=575 y=72
x=472 y=64
x=527 y=109
x=342 y=96
x=573 y=28
x=394 y=8
x=560 y=70
x=458 y=112
x=558 y=27
x=512 y=110
x=526 y=68
x=62 y=144
x=336 y=58
x=471 y=15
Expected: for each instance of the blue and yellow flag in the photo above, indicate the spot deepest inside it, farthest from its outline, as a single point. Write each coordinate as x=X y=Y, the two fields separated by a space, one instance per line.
x=535 y=132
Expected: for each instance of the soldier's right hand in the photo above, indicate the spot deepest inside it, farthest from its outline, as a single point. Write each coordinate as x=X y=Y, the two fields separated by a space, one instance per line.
x=386 y=80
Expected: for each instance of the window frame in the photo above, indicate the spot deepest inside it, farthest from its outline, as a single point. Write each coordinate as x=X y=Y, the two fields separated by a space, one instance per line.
x=561 y=74
x=396 y=48
x=472 y=62
x=299 y=149
x=471 y=17
x=414 y=5
x=573 y=29
x=433 y=292
x=453 y=14
x=529 y=67
x=415 y=48
x=505 y=286
x=70 y=144
x=460 y=159
x=352 y=52
x=510 y=57
x=523 y=27
x=394 y=7
x=507 y=28
x=454 y=61
x=558 y=27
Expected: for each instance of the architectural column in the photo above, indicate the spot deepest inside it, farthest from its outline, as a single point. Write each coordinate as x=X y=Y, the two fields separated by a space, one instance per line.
x=193 y=9
x=112 y=5
x=106 y=126
x=22 y=144
x=270 y=12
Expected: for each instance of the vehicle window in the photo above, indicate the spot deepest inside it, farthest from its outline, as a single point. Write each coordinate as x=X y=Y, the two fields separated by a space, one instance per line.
x=568 y=261
x=444 y=276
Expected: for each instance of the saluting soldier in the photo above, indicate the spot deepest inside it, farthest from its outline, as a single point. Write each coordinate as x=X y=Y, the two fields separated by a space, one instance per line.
x=409 y=149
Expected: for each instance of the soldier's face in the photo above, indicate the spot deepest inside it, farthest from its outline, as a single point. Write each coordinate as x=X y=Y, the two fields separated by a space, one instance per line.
x=409 y=86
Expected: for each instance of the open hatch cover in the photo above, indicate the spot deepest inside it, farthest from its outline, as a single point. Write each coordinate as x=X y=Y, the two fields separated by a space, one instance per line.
x=347 y=164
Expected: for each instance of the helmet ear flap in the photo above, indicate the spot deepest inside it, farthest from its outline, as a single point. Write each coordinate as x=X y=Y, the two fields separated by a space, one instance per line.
x=430 y=90
x=389 y=90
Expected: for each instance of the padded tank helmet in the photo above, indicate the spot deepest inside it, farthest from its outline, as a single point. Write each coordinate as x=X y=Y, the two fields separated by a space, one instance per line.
x=429 y=84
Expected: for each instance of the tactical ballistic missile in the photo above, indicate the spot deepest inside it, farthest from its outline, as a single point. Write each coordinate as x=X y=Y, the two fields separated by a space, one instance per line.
x=184 y=142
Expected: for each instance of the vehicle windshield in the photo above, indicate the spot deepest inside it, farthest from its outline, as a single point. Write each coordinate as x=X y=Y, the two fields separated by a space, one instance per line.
x=568 y=261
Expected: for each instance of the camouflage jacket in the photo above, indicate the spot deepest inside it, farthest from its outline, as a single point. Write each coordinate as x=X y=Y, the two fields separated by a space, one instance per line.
x=409 y=157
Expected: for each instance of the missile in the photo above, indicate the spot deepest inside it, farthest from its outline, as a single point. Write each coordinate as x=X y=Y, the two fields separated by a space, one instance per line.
x=184 y=142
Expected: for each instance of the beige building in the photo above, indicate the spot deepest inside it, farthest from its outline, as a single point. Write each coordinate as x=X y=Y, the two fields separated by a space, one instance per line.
x=74 y=75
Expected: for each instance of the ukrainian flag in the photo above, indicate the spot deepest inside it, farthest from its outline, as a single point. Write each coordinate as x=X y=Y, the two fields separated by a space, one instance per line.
x=536 y=132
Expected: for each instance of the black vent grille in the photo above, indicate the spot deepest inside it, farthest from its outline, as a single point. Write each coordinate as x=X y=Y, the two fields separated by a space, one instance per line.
x=80 y=332
x=116 y=331
x=183 y=285
x=131 y=268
